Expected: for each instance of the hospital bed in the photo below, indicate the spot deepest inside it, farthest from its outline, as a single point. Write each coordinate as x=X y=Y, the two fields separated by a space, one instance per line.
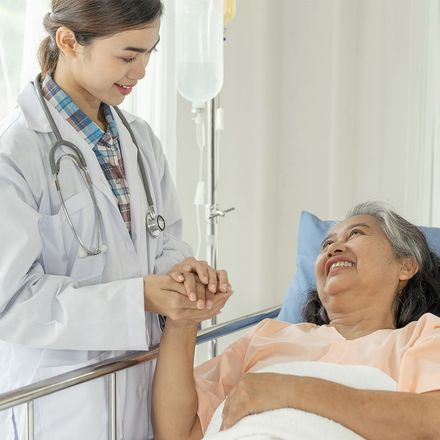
x=27 y=394
x=310 y=235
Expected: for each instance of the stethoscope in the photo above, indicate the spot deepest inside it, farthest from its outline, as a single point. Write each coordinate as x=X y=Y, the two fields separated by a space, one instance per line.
x=155 y=223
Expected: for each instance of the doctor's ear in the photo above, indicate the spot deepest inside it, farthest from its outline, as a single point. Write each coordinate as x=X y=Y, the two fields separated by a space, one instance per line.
x=66 y=41
x=409 y=267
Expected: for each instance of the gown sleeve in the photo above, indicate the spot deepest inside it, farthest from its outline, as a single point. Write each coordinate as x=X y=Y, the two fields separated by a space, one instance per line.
x=420 y=366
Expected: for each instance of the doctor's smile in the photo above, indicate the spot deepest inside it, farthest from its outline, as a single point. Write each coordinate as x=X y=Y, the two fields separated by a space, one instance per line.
x=124 y=90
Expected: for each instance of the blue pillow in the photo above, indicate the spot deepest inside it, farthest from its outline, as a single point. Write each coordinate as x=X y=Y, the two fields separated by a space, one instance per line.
x=312 y=231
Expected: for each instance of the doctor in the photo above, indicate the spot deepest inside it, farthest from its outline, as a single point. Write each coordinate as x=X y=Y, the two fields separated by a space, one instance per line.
x=82 y=278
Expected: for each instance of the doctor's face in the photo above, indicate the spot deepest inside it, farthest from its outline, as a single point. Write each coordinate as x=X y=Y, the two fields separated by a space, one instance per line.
x=109 y=68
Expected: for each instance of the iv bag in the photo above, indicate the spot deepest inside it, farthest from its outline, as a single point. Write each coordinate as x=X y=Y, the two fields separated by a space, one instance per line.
x=199 y=49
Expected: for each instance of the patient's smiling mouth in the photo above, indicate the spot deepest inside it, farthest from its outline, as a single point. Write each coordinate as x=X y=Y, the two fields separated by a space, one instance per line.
x=341 y=264
x=337 y=263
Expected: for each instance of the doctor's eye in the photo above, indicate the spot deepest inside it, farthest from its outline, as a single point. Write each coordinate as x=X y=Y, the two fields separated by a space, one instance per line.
x=129 y=60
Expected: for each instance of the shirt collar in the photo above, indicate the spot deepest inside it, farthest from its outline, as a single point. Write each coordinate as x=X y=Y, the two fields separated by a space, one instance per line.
x=89 y=130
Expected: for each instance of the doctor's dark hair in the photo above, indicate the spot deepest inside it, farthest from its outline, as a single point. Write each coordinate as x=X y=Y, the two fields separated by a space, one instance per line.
x=421 y=293
x=90 y=19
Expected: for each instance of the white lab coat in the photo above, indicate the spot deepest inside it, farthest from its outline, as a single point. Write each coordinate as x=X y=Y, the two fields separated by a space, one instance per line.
x=59 y=312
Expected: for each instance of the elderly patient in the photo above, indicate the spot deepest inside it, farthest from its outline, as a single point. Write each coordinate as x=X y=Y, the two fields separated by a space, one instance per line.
x=376 y=304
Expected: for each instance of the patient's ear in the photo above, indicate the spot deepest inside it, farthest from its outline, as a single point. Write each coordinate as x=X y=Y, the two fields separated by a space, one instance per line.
x=409 y=267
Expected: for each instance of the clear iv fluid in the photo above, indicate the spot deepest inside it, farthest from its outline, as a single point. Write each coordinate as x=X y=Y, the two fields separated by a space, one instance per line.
x=199 y=82
x=199 y=49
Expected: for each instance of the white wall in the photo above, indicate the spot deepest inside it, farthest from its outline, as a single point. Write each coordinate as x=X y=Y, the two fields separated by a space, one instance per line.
x=323 y=104
x=353 y=81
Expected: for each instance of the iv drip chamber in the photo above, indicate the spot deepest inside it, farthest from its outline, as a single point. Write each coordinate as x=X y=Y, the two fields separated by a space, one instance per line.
x=199 y=49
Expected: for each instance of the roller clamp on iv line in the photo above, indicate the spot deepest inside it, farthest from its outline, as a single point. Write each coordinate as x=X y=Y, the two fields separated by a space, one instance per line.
x=155 y=223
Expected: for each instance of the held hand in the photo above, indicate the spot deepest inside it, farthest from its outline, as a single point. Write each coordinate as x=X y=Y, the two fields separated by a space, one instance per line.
x=197 y=291
x=190 y=318
x=215 y=281
x=164 y=295
x=255 y=393
x=167 y=297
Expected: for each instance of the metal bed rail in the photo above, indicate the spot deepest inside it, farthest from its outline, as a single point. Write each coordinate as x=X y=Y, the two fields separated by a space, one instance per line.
x=27 y=394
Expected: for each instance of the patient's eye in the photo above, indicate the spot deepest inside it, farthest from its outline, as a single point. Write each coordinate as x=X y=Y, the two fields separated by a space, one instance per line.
x=355 y=232
x=325 y=244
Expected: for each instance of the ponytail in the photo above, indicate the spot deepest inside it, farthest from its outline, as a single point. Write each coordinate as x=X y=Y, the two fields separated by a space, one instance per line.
x=48 y=54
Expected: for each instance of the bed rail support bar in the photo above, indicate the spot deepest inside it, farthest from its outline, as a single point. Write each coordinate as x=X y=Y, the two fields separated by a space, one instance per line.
x=29 y=393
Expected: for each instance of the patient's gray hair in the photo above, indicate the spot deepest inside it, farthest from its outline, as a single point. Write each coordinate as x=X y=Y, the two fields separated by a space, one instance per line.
x=422 y=292
x=406 y=239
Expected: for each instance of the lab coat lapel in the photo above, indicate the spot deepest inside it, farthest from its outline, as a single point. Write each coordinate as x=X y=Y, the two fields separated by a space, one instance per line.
x=36 y=120
x=144 y=244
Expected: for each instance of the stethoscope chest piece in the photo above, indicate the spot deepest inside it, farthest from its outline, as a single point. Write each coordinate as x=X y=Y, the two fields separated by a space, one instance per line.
x=155 y=223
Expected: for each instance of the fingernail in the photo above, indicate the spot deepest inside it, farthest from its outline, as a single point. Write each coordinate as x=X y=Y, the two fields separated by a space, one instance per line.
x=180 y=278
x=209 y=304
x=192 y=296
x=200 y=304
x=212 y=288
x=225 y=287
x=205 y=280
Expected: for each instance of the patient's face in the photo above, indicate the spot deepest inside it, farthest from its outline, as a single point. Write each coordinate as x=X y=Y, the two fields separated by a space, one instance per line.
x=357 y=269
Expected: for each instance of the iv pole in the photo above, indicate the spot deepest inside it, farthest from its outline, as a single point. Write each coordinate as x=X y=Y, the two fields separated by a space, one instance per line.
x=211 y=227
x=206 y=110
x=213 y=212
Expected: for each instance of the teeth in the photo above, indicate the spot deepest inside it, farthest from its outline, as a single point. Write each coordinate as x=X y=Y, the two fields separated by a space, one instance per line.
x=341 y=264
x=125 y=87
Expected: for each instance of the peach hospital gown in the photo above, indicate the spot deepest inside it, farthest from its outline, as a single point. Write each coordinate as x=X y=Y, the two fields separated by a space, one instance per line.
x=410 y=355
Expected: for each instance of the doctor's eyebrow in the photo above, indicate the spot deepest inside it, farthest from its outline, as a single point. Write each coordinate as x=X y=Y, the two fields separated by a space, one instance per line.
x=141 y=49
x=348 y=228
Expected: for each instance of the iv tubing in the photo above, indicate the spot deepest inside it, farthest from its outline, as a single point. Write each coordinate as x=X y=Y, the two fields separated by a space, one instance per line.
x=200 y=190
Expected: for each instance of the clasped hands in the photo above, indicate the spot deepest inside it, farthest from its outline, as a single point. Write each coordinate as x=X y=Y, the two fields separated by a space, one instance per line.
x=192 y=290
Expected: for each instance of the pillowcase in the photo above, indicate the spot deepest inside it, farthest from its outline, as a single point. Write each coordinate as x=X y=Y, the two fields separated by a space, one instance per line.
x=312 y=231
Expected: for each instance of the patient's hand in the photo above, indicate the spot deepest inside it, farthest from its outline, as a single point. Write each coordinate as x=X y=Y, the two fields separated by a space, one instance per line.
x=255 y=393
x=201 y=281
x=189 y=316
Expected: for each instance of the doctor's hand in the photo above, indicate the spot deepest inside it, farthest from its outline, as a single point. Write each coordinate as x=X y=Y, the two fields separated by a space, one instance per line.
x=192 y=272
x=165 y=296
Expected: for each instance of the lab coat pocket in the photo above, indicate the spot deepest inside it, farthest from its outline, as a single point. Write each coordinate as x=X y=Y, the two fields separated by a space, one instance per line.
x=78 y=412
x=61 y=250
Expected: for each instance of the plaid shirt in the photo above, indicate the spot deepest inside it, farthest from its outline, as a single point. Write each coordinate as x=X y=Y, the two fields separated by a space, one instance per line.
x=104 y=144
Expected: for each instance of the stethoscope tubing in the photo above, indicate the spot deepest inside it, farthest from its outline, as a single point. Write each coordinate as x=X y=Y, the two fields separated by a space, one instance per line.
x=155 y=223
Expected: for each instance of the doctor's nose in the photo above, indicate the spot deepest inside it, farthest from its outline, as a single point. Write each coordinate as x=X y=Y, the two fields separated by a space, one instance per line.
x=137 y=71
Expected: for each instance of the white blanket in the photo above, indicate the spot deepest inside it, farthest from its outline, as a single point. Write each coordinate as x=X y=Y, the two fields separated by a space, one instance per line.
x=290 y=424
